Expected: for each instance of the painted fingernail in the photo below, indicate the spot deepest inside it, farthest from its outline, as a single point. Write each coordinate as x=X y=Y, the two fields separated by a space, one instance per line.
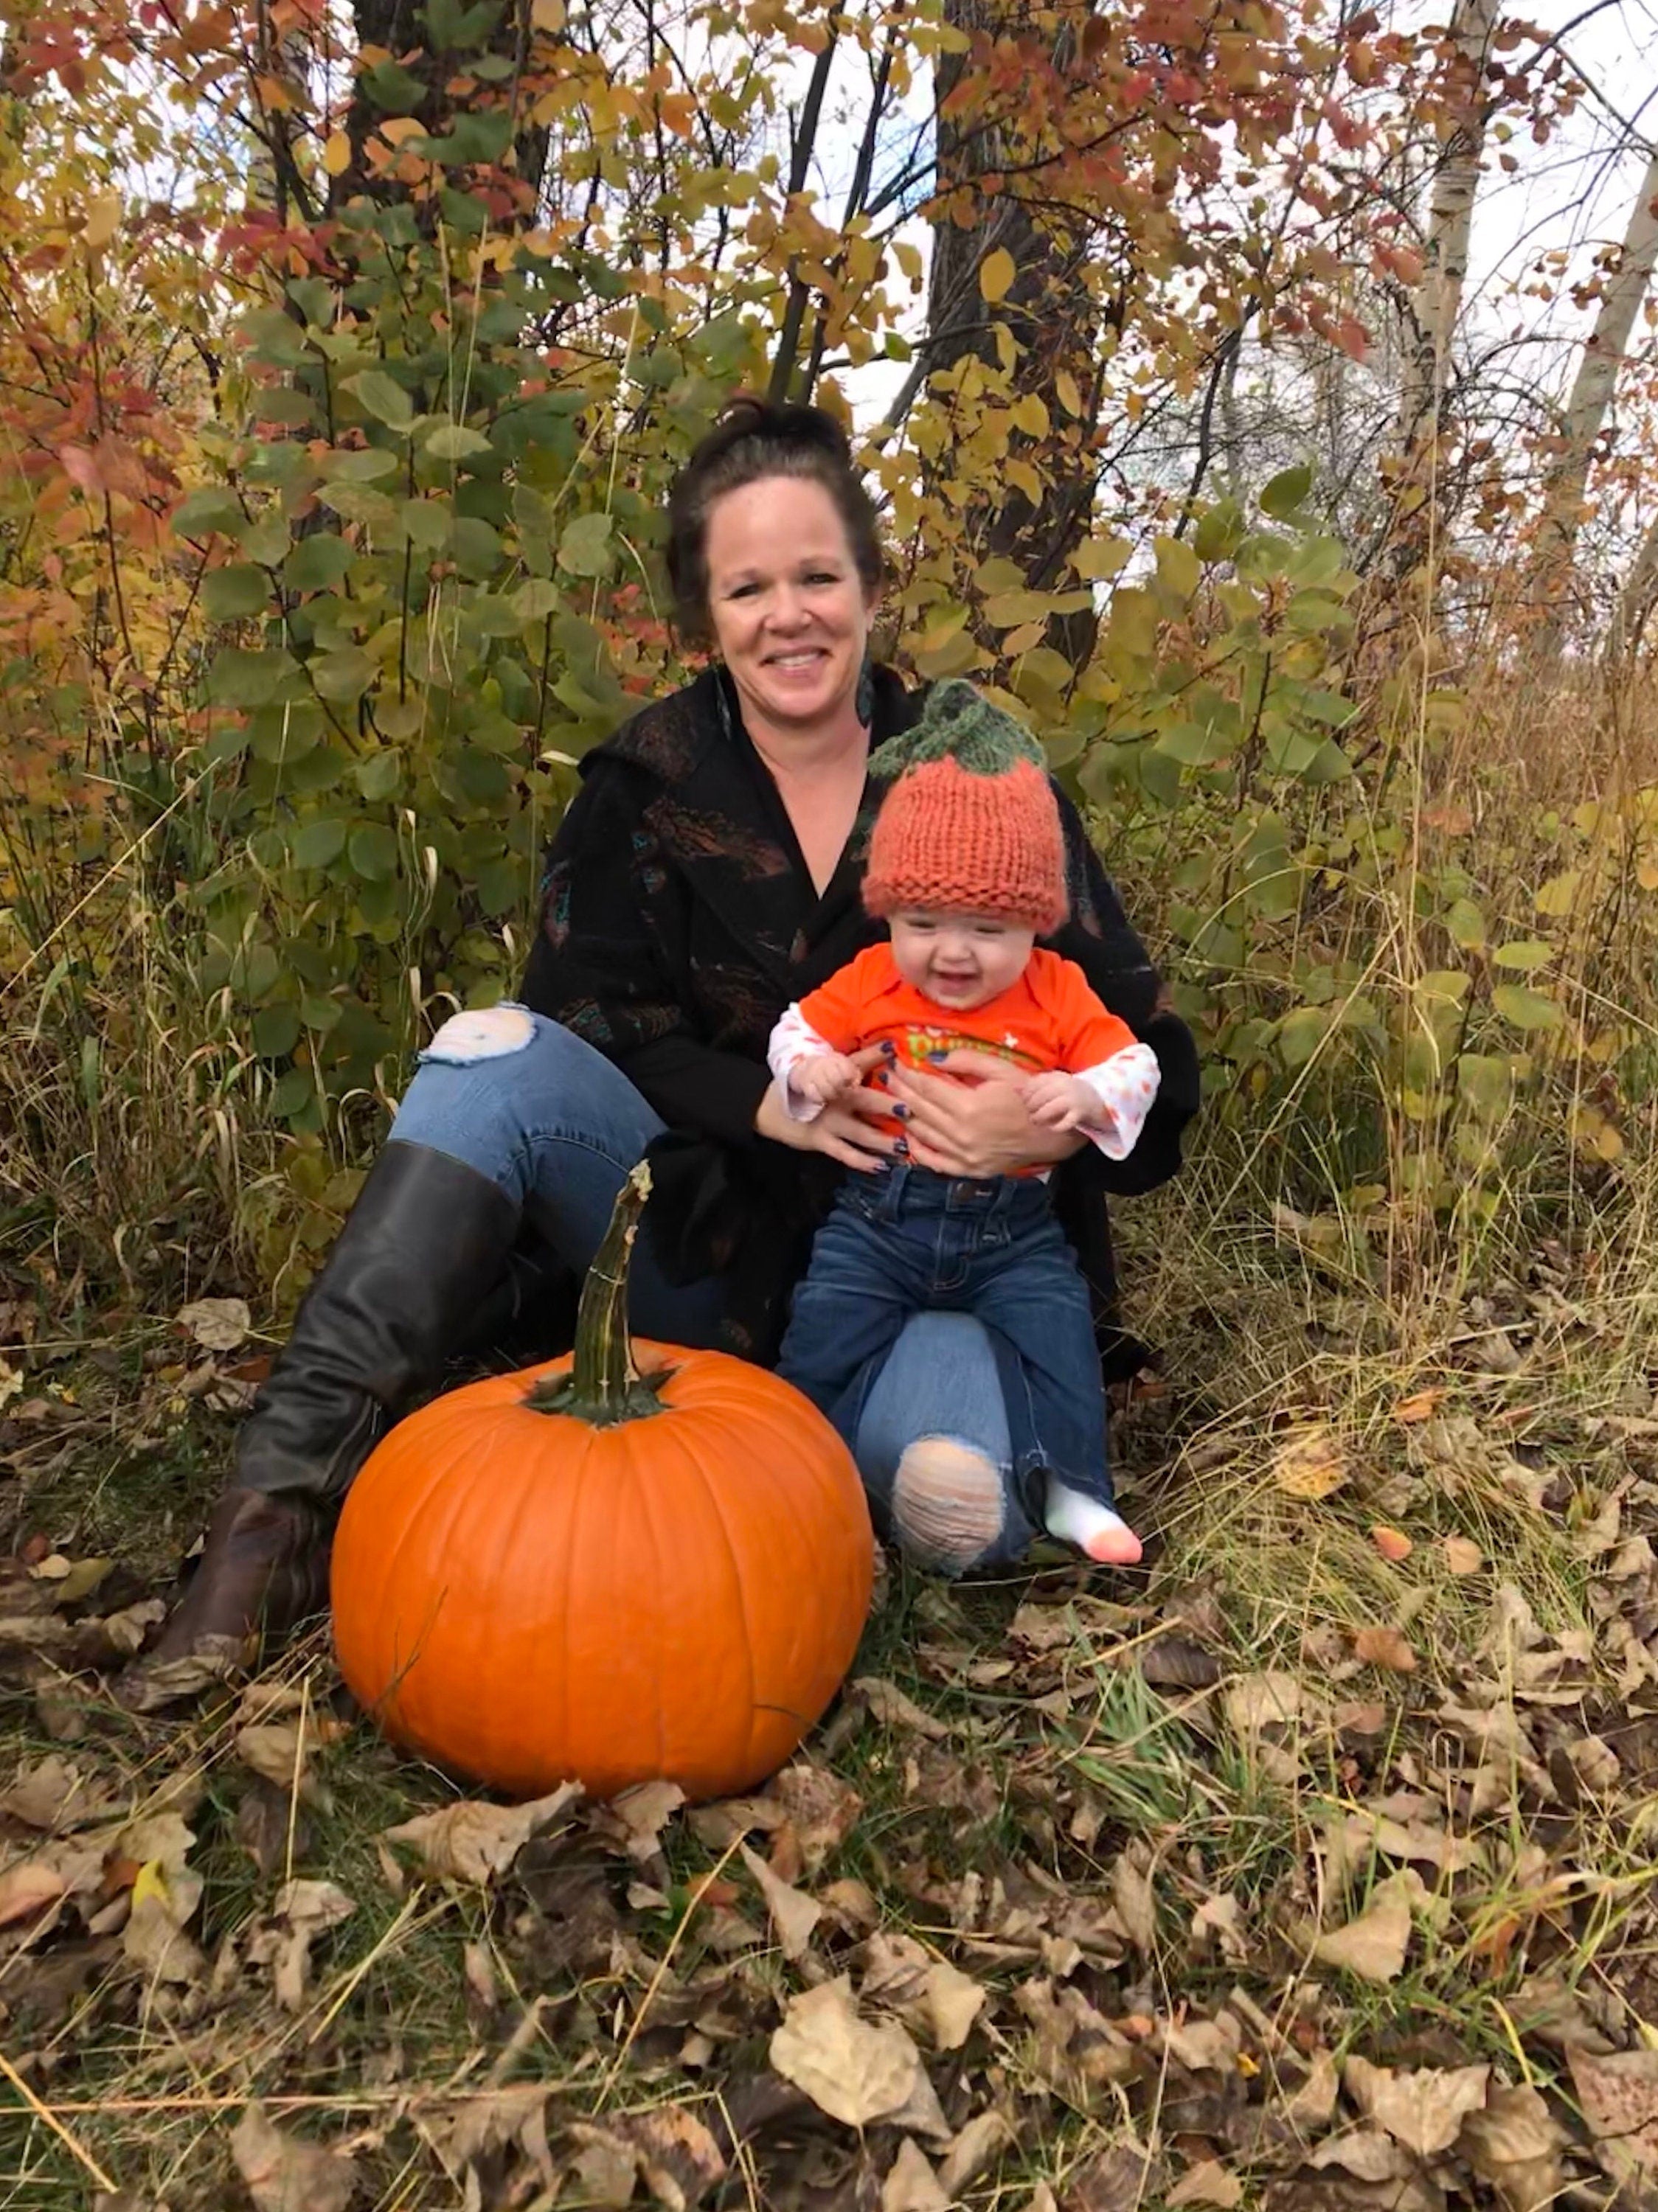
x=938 y=1055
x=900 y=1113
x=900 y=1148
x=889 y=1048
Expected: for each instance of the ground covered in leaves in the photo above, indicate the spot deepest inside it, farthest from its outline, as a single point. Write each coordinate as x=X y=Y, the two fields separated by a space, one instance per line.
x=1310 y=1867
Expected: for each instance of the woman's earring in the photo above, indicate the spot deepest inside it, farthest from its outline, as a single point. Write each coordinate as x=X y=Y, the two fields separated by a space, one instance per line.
x=863 y=705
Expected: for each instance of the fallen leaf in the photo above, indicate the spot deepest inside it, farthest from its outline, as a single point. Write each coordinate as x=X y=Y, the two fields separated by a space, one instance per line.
x=1618 y=2094
x=1255 y=1702
x=954 y=2001
x=1309 y=1463
x=636 y=1819
x=1175 y=1662
x=1422 y=1406
x=54 y=1794
x=1422 y=2107
x=278 y=1752
x=1462 y=1557
x=285 y=2174
x=971 y=2151
x=1207 y=2183
x=1373 y=1946
x=301 y=1911
x=888 y=1704
x=476 y=1843
x=794 y=1915
x=1516 y=2145
x=1367 y=2154
x=1220 y=1920
x=490 y=2121
x=1384 y=1647
x=823 y=1809
x=217 y=1324
x=677 y=2154
x=1393 y=1543
x=1120 y=2178
x=154 y=1940
x=28 y=1888
x=1137 y=1902
x=1312 y=2105
x=154 y=1684
x=911 y=2185
x=855 y=2071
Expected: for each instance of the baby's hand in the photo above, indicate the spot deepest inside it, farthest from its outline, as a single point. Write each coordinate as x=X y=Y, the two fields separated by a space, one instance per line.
x=1060 y=1102
x=822 y=1076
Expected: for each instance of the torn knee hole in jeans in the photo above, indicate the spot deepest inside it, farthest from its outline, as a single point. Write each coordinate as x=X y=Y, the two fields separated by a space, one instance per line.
x=948 y=1502
x=490 y=1033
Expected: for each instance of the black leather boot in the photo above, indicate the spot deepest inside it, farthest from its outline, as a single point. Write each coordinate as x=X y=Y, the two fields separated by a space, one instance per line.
x=404 y=1288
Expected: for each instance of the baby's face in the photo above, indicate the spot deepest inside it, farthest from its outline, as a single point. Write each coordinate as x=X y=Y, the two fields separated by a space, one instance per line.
x=958 y=960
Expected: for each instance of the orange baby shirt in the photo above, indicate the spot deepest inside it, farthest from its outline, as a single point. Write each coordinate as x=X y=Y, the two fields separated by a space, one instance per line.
x=1050 y=1018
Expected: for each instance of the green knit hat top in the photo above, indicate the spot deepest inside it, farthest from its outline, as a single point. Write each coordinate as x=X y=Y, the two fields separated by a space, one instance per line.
x=958 y=723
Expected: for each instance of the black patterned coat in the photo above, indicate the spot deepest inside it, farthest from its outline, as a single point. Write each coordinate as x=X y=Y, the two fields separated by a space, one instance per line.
x=678 y=919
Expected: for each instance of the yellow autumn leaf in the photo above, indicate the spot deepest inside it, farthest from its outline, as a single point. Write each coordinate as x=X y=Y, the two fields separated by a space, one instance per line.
x=337 y=154
x=548 y=15
x=996 y=275
x=103 y=221
x=1309 y=1463
x=151 y=1881
x=1069 y=397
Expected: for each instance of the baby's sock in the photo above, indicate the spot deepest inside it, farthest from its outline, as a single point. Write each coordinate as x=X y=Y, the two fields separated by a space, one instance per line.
x=1094 y=1528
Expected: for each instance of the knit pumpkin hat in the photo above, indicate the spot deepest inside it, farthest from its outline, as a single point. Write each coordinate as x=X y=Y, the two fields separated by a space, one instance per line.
x=970 y=824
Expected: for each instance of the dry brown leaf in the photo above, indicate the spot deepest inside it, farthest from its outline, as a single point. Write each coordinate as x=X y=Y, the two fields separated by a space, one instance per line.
x=678 y=2156
x=794 y=1915
x=477 y=1843
x=607 y=2168
x=285 y=2174
x=1313 y=2104
x=1207 y=2183
x=887 y=1703
x=1618 y=2094
x=1516 y=2145
x=154 y=1684
x=971 y=2151
x=217 y=1324
x=54 y=1794
x=1462 y=1557
x=1310 y=1463
x=855 y=2071
x=1422 y=1406
x=911 y=2185
x=1135 y=1900
x=278 y=1752
x=954 y=2001
x=1373 y=1946
x=489 y=2121
x=729 y=1817
x=1256 y=1702
x=153 y=1940
x=823 y=1808
x=1365 y=2153
x=1393 y=1543
x=1424 y=2107
x=1219 y=1920
x=1384 y=1647
x=638 y=1817
x=1120 y=2178
x=301 y=1911
x=28 y=1888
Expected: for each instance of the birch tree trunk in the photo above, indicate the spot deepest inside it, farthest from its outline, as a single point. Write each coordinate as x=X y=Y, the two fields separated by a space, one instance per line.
x=1437 y=300
x=1625 y=289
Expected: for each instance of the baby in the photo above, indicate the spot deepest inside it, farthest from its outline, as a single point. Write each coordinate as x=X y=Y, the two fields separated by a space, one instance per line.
x=967 y=865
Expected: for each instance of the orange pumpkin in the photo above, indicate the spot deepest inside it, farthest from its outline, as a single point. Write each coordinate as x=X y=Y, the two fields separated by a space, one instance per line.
x=605 y=1570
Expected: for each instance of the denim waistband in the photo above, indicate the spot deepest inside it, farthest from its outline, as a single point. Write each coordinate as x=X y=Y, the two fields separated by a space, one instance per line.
x=912 y=1189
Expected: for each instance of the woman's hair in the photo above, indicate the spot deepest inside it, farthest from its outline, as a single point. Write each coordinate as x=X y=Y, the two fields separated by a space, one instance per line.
x=755 y=440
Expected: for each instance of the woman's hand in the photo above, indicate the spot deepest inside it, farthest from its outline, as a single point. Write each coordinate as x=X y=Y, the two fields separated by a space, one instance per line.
x=979 y=1129
x=841 y=1129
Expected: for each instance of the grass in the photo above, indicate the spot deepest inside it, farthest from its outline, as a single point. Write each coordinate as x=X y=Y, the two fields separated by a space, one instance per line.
x=1115 y=1853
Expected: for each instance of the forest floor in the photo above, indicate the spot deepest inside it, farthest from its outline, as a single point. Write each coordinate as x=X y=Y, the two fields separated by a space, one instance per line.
x=1310 y=1866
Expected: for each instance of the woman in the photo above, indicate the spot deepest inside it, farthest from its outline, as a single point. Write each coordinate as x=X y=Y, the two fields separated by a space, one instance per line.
x=707 y=874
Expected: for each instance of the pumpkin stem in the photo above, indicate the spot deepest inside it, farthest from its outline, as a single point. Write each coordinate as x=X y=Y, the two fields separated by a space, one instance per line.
x=603 y=1386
